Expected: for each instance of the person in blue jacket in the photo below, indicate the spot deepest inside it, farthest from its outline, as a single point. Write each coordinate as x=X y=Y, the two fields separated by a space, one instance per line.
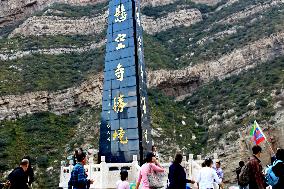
x=78 y=179
x=278 y=169
x=177 y=176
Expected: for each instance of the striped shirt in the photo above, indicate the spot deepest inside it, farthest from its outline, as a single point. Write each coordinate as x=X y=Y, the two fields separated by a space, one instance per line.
x=78 y=177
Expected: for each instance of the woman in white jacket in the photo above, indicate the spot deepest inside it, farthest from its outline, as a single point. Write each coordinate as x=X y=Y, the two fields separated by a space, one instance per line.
x=207 y=176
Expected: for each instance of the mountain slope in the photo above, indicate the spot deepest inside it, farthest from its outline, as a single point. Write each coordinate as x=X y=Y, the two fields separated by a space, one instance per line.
x=212 y=71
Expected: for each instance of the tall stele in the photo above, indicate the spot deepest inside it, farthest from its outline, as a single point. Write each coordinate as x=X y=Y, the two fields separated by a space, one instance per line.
x=125 y=124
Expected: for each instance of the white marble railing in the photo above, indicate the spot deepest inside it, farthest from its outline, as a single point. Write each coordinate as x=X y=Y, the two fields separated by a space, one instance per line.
x=105 y=175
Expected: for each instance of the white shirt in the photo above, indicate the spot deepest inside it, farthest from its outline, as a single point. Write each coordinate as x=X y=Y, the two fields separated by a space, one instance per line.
x=122 y=184
x=206 y=178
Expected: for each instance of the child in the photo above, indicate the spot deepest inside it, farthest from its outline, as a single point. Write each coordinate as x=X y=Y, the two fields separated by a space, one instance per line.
x=123 y=184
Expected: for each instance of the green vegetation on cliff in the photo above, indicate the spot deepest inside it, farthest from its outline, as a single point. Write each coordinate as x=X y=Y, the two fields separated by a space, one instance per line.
x=175 y=125
x=205 y=41
x=159 y=11
x=243 y=93
x=49 y=42
x=42 y=136
x=48 y=72
x=48 y=139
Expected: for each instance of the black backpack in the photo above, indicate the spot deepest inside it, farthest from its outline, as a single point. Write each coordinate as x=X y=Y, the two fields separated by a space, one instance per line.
x=244 y=176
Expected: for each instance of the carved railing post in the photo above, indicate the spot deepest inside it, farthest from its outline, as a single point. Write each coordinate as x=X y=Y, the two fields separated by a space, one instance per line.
x=190 y=159
x=184 y=163
x=135 y=168
x=104 y=173
x=198 y=157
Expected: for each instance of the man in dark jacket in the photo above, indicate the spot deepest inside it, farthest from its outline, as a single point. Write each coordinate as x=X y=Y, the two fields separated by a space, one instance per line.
x=177 y=175
x=18 y=177
x=278 y=169
x=30 y=172
x=257 y=180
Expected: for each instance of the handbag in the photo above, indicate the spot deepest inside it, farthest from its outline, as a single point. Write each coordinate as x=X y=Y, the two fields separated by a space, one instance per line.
x=154 y=180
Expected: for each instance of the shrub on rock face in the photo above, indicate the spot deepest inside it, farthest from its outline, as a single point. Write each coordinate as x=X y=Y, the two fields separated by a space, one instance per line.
x=3 y=143
x=260 y=103
x=42 y=161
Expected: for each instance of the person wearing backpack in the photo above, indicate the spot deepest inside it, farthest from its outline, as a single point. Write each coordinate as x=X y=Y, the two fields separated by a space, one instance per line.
x=78 y=179
x=238 y=172
x=278 y=169
x=251 y=173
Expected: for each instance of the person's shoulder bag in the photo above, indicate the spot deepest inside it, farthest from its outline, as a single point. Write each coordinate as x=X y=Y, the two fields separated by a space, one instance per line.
x=154 y=179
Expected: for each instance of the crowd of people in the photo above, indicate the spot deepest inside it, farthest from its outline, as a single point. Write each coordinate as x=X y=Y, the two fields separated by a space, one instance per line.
x=177 y=177
x=250 y=175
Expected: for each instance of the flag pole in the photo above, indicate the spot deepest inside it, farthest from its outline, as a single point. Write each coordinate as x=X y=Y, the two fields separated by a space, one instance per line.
x=268 y=143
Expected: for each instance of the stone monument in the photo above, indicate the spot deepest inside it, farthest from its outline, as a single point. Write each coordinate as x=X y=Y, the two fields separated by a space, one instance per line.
x=125 y=125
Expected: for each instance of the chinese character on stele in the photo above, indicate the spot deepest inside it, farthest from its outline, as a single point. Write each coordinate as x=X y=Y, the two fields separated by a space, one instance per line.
x=119 y=72
x=118 y=103
x=120 y=134
x=119 y=39
x=120 y=13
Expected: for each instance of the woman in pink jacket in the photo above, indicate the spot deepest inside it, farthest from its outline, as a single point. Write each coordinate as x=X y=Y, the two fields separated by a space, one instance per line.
x=151 y=165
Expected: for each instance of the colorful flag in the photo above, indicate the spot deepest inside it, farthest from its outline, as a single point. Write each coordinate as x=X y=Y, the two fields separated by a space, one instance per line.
x=257 y=134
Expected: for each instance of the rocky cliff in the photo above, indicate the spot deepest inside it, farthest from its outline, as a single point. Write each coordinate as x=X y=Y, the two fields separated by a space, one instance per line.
x=11 y=10
x=173 y=82
x=206 y=54
x=52 y=25
x=233 y=63
x=60 y=102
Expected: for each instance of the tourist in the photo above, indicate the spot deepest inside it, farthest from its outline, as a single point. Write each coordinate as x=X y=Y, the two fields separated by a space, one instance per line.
x=30 y=172
x=219 y=172
x=155 y=152
x=150 y=166
x=257 y=180
x=78 y=179
x=238 y=171
x=18 y=178
x=122 y=183
x=207 y=175
x=278 y=169
x=177 y=175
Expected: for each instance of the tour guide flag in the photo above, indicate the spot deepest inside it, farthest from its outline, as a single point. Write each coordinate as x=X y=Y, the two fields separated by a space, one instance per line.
x=257 y=134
